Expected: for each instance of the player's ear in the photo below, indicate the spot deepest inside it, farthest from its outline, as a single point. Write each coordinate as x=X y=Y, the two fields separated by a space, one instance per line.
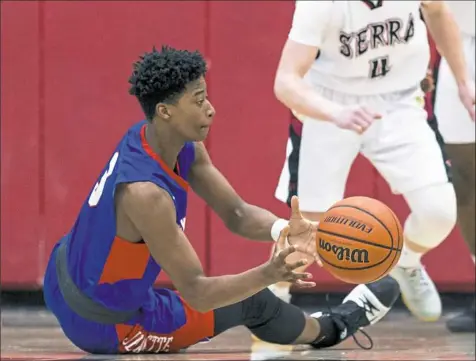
x=163 y=111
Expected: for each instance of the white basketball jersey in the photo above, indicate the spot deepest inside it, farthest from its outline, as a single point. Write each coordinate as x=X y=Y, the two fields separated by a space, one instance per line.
x=366 y=47
x=464 y=13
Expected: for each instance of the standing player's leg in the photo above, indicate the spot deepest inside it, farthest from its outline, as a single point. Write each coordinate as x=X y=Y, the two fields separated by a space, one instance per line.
x=318 y=161
x=405 y=151
x=458 y=131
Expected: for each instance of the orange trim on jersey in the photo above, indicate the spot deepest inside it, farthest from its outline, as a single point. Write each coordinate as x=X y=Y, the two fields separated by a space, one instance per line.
x=148 y=149
x=198 y=326
x=126 y=260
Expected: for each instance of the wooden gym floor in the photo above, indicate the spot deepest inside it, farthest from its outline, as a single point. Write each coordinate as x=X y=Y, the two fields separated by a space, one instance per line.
x=33 y=334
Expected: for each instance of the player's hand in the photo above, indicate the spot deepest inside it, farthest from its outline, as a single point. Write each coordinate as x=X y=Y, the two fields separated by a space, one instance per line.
x=357 y=118
x=428 y=84
x=466 y=95
x=278 y=270
x=302 y=232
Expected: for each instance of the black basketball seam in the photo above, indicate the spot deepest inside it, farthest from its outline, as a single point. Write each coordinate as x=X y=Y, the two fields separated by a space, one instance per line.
x=370 y=214
x=359 y=240
x=397 y=223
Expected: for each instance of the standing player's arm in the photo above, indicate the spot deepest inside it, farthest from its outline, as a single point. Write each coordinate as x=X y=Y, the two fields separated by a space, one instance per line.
x=152 y=212
x=247 y=220
x=446 y=34
x=299 y=52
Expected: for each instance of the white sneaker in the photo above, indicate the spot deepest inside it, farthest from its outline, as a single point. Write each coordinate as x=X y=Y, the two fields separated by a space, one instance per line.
x=419 y=293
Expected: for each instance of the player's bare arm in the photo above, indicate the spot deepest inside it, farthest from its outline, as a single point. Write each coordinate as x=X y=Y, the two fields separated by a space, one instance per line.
x=240 y=217
x=300 y=51
x=152 y=212
x=446 y=34
x=290 y=87
x=296 y=60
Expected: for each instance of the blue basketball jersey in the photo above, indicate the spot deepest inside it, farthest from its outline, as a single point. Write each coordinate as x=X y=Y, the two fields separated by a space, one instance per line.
x=117 y=273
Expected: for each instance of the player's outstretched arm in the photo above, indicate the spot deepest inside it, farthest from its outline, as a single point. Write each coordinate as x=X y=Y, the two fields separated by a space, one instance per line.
x=242 y=218
x=152 y=212
x=239 y=217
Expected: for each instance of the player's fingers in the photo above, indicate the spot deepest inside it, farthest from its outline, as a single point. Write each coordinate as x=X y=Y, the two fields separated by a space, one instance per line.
x=301 y=276
x=295 y=211
x=357 y=128
x=370 y=113
x=305 y=284
x=281 y=243
x=363 y=121
x=300 y=263
x=318 y=261
x=286 y=252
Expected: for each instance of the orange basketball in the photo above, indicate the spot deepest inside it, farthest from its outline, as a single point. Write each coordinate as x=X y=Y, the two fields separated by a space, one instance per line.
x=359 y=240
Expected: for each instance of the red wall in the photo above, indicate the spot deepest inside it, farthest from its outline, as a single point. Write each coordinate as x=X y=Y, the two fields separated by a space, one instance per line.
x=65 y=104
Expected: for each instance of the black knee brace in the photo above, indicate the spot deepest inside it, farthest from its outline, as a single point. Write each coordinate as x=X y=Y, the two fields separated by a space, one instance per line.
x=265 y=315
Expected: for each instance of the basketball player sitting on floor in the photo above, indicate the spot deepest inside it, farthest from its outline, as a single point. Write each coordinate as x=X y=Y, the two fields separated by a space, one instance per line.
x=100 y=276
x=351 y=72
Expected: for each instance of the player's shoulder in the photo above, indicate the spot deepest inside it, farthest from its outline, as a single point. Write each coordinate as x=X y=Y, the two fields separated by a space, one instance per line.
x=200 y=156
x=145 y=194
x=146 y=204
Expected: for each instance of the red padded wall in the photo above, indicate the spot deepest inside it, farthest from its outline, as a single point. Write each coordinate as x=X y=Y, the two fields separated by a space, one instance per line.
x=65 y=105
x=20 y=109
x=249 y=133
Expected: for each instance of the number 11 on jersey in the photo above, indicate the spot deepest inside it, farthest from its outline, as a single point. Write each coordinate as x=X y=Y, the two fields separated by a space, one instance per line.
x=379 y=67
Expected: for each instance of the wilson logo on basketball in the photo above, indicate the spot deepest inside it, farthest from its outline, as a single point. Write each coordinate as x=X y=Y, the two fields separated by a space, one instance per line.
x=343 y=253
x=349 y=222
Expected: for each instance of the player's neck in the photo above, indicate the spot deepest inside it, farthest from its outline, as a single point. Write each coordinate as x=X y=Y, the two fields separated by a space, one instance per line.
x=165 y=145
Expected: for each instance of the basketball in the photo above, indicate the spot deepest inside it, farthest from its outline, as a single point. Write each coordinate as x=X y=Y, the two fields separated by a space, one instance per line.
x=359 y=240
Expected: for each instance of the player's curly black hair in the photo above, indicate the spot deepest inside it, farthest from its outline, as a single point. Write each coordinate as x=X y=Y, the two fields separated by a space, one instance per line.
x=160 y=76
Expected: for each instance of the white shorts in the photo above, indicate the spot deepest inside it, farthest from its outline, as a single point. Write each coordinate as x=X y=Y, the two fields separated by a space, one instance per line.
x=401 y=145
x=454 y=122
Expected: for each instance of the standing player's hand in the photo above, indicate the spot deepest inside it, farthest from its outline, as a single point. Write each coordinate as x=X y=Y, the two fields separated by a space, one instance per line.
x=357 y=118
x=466 y=95
x=278 y=270
x=302 y=232
x=428 y=84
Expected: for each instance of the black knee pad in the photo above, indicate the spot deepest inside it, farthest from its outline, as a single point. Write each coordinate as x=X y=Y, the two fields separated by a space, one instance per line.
x=271 y=319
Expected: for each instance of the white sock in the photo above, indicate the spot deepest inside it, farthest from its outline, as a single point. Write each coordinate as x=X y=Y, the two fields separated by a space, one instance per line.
x=409 y=258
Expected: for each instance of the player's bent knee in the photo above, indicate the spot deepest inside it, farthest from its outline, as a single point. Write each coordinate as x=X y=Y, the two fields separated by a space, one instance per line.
x=272 y=320
x=433 y=215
